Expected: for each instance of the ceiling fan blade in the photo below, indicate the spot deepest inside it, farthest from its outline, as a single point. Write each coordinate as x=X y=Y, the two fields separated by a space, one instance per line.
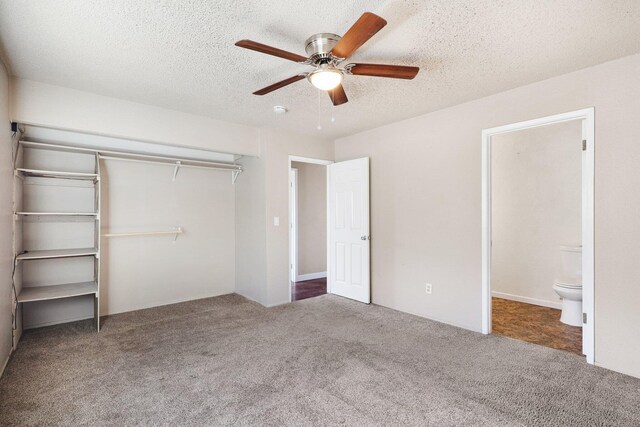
x=283 y=83
x=338 y=96
x=382 y=70
x=269 y=50
x=364 y=28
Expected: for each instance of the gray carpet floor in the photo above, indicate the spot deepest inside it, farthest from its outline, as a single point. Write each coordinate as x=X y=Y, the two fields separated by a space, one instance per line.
x=321 y=361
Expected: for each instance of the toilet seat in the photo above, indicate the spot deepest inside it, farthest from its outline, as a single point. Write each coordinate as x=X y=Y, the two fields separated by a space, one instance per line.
x=567 y=284
x=571 y=248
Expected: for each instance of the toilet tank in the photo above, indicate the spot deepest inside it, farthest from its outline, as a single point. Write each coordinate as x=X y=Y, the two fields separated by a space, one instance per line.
x=571 y=264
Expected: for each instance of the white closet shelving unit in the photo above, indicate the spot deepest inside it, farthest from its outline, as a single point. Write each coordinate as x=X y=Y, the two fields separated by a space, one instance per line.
x=26 y=180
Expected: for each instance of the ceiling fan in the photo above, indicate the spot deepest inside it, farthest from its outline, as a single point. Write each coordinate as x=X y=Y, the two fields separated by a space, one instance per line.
x=327 y=51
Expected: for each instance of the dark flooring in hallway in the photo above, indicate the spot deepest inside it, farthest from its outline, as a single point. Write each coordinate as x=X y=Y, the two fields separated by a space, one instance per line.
x=308 y=289
x=534 y=324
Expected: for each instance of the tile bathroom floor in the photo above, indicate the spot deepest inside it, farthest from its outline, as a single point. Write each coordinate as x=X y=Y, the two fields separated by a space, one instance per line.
x=534 y=324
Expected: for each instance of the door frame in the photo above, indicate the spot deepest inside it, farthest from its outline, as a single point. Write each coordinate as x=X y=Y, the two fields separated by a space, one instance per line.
x=587 y=117
x=293 y=235
x=293 y=224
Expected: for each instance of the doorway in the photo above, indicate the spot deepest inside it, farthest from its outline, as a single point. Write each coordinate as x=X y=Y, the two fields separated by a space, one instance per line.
x=538 y=225
x=348 y=242
x=308 y=227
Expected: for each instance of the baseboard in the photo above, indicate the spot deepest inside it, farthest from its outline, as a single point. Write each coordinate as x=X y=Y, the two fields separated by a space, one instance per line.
x=16 y=338
x=4 y=365
x=311 y=276
x=170 y=302
x=249 y=297
x=534 y=301
x=57 y=322
x=466 y=326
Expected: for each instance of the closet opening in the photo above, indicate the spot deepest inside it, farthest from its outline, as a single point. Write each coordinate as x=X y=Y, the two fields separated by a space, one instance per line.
x=104 y=225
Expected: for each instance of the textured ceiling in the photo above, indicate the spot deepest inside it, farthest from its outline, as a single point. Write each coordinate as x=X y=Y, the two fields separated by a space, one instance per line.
x=180 y=54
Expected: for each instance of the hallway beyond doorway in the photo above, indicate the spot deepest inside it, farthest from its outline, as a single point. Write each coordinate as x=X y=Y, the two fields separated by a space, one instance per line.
x=308 y=289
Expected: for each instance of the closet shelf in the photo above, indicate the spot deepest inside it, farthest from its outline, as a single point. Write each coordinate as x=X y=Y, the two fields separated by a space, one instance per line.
x=43 y=293
x=57 y=213
x=57 y=253
x=57 y=174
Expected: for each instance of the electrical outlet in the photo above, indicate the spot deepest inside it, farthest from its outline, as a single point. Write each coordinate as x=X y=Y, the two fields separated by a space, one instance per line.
x=427 y=288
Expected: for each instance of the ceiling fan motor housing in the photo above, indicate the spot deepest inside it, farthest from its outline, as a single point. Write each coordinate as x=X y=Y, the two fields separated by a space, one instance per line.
x=319 y=46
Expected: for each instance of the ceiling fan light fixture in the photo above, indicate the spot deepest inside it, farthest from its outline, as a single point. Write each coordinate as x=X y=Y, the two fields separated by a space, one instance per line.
x=326 y=77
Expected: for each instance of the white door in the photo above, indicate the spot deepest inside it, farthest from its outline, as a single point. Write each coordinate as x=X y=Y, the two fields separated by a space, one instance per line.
x=349 y=240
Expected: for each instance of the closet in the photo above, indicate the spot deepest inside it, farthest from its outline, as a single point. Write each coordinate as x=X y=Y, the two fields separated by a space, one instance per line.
x=64 y=232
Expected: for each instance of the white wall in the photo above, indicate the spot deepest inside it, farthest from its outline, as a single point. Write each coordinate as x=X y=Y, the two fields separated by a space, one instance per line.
x=6 y=220
x=251 y=230
x=147 y=271
x=262 y=193
x=68 y=109
x=536 y=206
x=312 y=218
x=279 y=145
x=426 y=202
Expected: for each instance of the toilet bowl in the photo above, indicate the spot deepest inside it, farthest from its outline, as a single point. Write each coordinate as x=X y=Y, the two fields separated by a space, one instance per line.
x=568 y=285
x=571 y=302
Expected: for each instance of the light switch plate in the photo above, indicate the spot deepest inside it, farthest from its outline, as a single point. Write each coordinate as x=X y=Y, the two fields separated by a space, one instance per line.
x=276 y=221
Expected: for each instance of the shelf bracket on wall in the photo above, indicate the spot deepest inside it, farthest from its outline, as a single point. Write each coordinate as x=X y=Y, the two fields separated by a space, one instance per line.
x=175 y=171
x=178 y=232
x=234 y=175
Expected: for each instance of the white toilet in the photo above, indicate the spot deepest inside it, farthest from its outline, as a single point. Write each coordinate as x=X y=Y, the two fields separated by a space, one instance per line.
x=569 y=284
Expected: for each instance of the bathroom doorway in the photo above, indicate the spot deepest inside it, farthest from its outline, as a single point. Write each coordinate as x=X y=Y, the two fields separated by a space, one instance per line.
x=538 y=231
x=307 y=227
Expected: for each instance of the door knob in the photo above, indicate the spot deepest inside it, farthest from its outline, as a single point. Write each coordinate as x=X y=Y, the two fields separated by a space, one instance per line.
x=364 y=237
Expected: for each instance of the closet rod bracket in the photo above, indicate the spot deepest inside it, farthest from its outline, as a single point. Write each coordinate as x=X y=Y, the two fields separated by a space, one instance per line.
x=234 y=175
x=178 y=232
x=175 y=171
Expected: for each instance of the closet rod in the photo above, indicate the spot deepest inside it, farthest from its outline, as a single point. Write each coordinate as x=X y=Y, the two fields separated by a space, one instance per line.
x=124 y=155
x=175 y=163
